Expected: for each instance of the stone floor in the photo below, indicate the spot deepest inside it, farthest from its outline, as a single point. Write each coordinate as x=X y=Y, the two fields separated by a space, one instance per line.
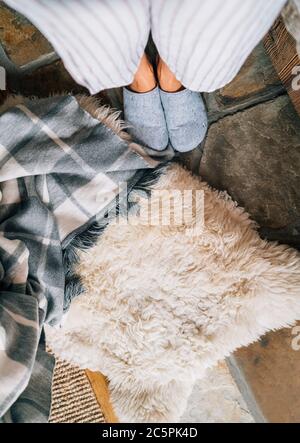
x=253 y=151
x=216 y=399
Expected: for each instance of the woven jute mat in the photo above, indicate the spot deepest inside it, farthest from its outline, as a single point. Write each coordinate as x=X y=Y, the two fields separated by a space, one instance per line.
x=78 y=396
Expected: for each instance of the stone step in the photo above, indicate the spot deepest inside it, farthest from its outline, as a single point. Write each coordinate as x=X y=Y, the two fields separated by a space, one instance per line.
x=22 y=42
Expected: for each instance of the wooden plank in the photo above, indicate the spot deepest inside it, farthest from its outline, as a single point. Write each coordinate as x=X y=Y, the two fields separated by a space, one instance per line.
x=281 y=47
x=100 y=387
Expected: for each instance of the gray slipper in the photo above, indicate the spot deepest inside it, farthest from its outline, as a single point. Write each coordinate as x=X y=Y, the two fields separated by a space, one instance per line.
x=186 y=118
x=145 y=115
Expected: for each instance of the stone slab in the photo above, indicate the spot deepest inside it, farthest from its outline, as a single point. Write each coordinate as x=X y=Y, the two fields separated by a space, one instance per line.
x=271 y=368
x=256 y=82
x=50 y=79
x=21 y=41
x=255 y=156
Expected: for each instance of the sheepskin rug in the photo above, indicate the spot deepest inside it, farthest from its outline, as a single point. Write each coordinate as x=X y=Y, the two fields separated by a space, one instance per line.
x=161 y=305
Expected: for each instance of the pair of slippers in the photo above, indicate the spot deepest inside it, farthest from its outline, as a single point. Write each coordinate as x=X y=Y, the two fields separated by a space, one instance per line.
x=157 y=118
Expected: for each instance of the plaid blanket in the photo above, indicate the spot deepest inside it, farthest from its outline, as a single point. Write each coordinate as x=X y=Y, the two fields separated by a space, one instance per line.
x=60 y=170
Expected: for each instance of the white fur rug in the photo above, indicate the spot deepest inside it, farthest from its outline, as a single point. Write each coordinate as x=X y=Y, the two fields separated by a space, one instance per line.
x=162 y=306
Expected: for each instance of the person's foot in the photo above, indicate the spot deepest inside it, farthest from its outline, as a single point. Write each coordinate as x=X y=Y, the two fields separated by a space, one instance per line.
x=144 y=79
x=186 y=118
x=143 y=109
x=167 y=80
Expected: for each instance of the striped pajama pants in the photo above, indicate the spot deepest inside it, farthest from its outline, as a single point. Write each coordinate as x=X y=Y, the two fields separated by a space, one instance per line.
x=204 y=42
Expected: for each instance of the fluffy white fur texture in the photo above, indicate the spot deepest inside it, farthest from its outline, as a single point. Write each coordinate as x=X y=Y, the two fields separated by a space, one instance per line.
x=161 y=306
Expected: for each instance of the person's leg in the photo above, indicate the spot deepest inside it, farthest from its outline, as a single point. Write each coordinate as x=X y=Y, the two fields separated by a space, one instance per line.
x=167 y=80
x=144 y=79
x=143 y=110
x=205 y=42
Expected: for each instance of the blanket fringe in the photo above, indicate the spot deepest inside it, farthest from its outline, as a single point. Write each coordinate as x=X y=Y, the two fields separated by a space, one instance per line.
x=88 y=238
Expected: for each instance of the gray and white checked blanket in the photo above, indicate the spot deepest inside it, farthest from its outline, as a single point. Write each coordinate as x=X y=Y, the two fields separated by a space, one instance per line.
x=60 y=170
